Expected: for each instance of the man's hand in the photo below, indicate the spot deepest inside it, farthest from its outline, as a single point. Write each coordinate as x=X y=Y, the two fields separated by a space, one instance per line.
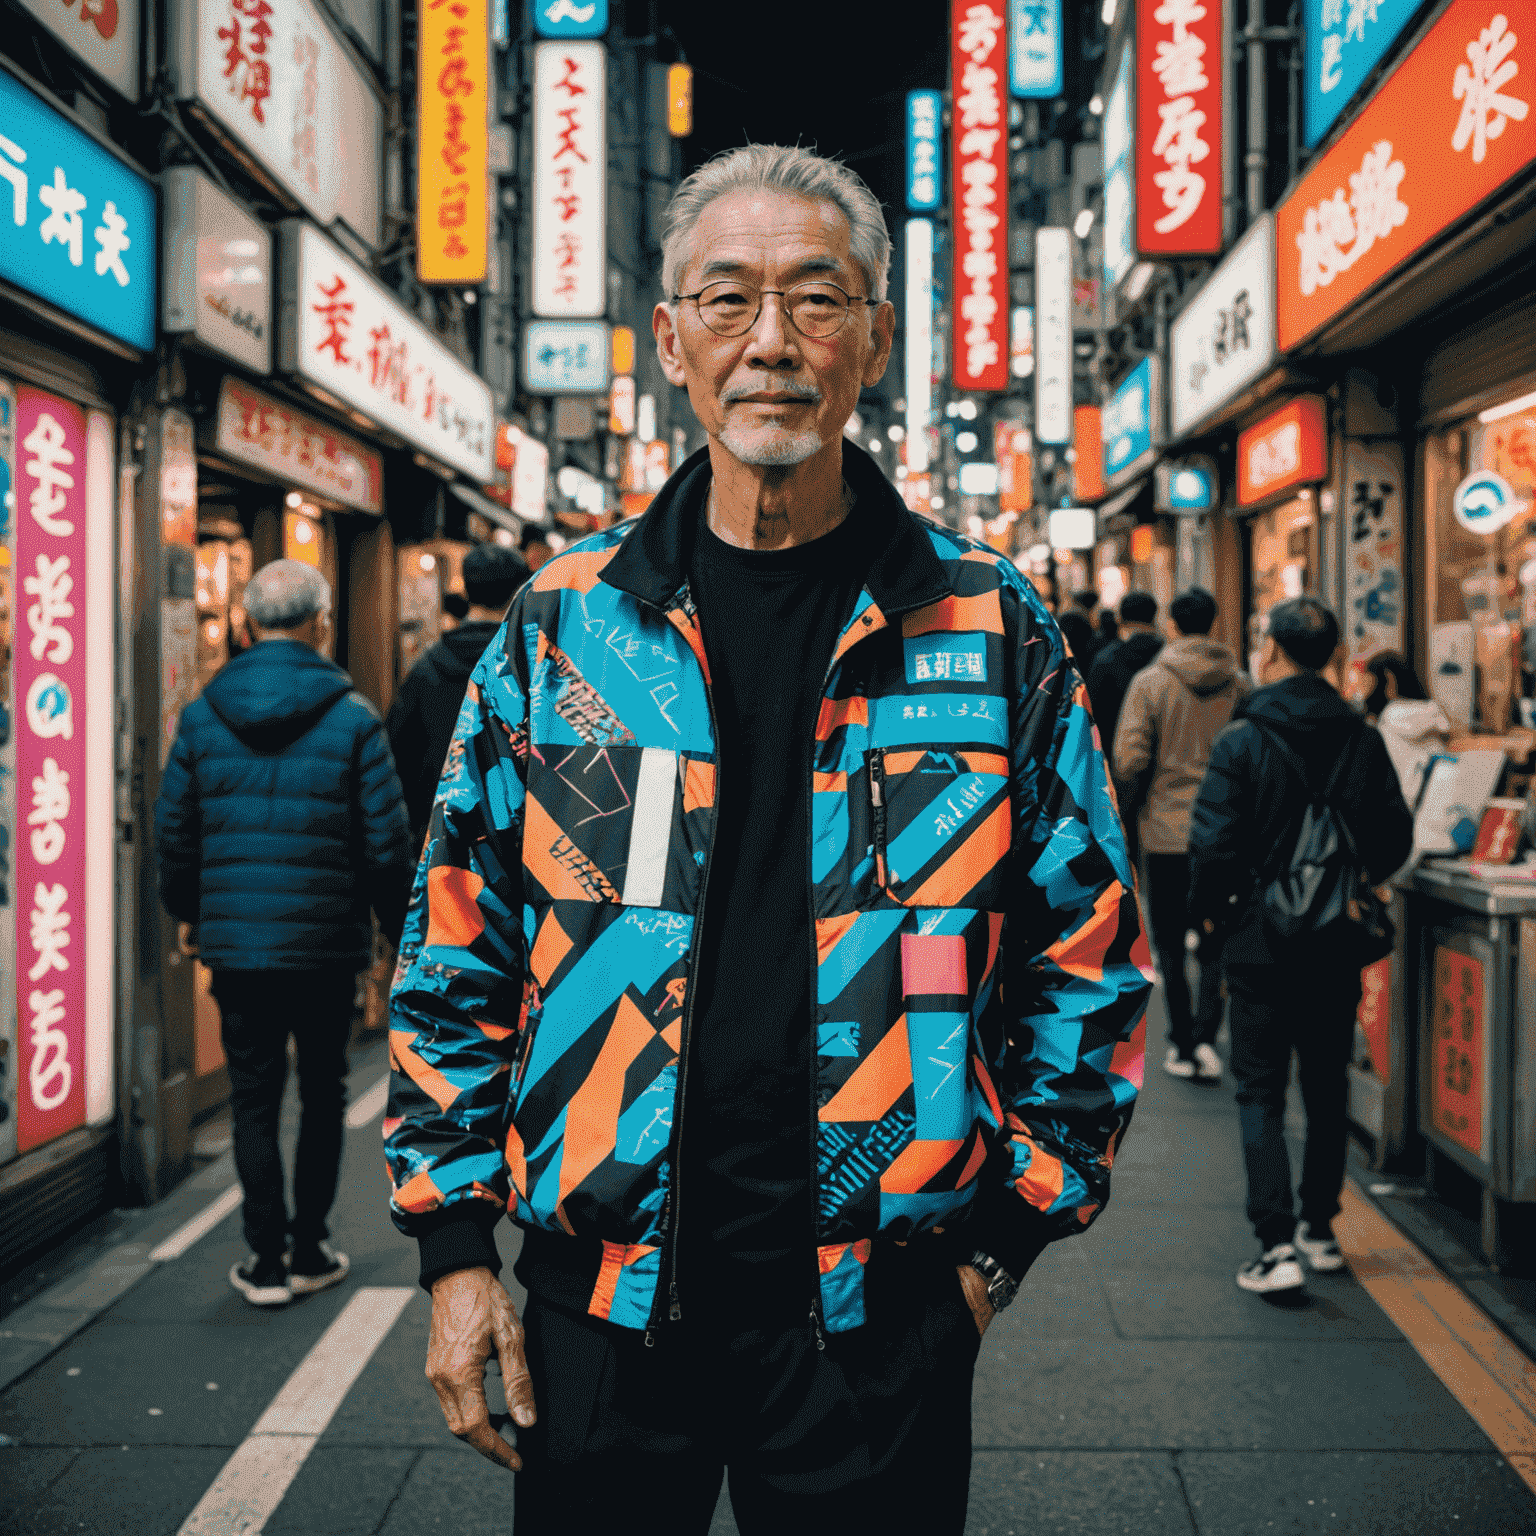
x=471 y=1316
x=976 y=1298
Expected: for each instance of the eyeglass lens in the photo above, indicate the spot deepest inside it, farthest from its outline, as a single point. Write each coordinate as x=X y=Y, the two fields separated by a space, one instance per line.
x=815 y=309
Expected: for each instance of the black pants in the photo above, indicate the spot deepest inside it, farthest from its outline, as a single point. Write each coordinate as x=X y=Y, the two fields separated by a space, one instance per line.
x=871 y=1433
x=261 y=1009
x=1273 y=1014
x=1168 y=914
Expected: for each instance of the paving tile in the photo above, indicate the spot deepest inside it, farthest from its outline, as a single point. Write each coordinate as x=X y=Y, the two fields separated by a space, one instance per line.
x=1376 y=1494
x=1139 y=1394
x=342 y=1492
x=1076 y=1493
x=28 y=1474
x=107 y=1491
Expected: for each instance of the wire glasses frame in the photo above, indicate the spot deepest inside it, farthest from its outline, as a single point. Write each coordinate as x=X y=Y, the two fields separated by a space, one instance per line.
x=815 y=310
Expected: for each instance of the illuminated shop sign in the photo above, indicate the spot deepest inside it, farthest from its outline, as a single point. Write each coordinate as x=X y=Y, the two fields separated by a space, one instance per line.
x=1053 y=336
x=1034 y=48
x=1130 y=421
x=453 y=141
x=919 y=341
x=1287 y=448
x=1343 y=41
x=570 y=161
x=925 y=184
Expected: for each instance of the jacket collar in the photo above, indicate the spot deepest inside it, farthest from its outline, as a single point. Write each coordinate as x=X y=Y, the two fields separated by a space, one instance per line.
x=652 y=563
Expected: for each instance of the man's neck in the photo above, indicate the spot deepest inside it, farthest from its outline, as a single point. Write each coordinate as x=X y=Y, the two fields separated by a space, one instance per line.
x=755 y=506
x=480 y=614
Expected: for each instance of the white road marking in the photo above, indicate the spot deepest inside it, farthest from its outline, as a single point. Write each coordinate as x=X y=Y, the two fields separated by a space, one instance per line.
x=201 y=1224
x=255 y=1479
x=370 y=1105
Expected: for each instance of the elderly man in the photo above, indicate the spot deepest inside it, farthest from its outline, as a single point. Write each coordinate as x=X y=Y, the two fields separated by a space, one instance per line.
x=772 y=957
x=280 y=819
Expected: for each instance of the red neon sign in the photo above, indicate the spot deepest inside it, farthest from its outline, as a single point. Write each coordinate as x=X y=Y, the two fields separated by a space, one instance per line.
x=1287 y=448
x=1178 y=127
x=979 y=167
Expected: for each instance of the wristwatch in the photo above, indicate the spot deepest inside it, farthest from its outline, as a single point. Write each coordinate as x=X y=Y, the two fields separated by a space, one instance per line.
x=1001 y=1286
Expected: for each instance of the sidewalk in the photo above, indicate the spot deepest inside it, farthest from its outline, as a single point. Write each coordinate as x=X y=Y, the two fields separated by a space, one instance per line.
x=1131 y=1389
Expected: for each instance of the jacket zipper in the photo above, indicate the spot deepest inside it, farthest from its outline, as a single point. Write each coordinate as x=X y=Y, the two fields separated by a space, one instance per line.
x=671 y=1214
x=877 y=801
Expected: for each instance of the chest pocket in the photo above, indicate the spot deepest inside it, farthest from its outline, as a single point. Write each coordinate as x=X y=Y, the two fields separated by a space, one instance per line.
x=941 y=824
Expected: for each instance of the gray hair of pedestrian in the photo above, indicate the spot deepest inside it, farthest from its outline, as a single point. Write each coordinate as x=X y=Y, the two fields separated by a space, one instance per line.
x=1305 y=630
x=778 y=168
x=286 y=593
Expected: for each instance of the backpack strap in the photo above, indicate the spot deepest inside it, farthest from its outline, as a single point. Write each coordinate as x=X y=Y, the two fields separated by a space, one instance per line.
x=1293 y=761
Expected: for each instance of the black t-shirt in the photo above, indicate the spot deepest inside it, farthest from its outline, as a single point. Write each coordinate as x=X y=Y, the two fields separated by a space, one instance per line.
x=770 y=621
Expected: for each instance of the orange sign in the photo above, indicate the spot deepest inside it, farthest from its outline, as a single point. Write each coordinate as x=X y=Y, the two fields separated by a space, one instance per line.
x=1458 y=1070
x=680 y=100
x=1287 y=448
x=621 y=406
x=1374 y=1016
x=1088 y=442
x=452 y=141
x=622 y=343
x=1450 y=126
x=1508 y=447
x=1015 y=467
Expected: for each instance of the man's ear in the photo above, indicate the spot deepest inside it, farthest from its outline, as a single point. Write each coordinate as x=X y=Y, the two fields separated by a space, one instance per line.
x=668 y=347
x=883 y=328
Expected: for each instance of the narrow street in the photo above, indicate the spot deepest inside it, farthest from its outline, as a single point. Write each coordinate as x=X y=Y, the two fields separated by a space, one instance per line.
x=1132 y=1388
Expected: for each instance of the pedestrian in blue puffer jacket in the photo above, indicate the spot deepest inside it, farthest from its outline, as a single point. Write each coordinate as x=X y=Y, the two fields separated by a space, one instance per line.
x=280 y=821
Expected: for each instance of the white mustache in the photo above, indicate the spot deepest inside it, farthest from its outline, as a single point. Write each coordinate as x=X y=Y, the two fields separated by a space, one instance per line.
x=806 y=392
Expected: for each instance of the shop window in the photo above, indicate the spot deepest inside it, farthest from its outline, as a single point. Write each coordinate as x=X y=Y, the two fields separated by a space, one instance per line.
x=1480 y=599
x=1282 y=561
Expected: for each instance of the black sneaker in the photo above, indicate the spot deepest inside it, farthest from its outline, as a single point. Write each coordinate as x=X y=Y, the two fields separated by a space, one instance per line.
x=263 y=1282
x=1274 y=1270
x=316 y=1269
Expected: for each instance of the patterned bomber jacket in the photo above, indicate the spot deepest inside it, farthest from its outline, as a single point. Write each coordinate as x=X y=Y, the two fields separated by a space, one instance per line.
x=979 y=975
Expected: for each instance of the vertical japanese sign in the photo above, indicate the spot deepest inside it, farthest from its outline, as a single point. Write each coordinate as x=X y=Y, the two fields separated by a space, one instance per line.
x=1178 y=127
x=1119 y=189
x=925 y=186
x=1374 y=595
x=1449 y=127
x=570 y=159
x=452 y=141
x=1053 y=336
x=105 y=33
x=8 y=798
x=919 y=341
x=1343 y=41
x=979 y=179
x=1034 y=58
x=51 y=741
x=1458 y=1072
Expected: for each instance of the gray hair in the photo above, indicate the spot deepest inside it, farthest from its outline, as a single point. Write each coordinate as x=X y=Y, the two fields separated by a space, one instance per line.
x=778 y=168
x=286 y=593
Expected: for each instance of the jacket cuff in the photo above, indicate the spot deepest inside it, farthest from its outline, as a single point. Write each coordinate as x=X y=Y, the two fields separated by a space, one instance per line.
x=1013 y=1233
x=459 y=1240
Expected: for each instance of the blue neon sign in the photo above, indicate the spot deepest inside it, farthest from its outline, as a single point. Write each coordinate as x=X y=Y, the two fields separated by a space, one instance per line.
x=570 y=18
x=1034 y=48
x=925 y=185
x=1127 y=420
x=77 y=226
x=1344 y=40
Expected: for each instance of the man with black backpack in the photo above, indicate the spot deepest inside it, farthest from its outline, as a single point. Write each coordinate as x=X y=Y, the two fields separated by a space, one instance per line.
x=1299 y=816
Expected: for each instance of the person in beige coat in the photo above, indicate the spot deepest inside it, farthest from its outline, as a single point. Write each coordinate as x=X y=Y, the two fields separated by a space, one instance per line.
x=1173 y=711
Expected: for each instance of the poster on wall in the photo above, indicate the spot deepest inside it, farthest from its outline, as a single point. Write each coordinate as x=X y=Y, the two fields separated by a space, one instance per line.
x=1373 y=557
x=8 y=999
x=1458 y=1070
x=51 y=695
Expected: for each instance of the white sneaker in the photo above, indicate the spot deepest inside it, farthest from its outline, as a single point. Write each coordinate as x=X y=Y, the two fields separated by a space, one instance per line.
x=1276 y=1270
x=1178 y=1066
x=263 y=1282
x=321 y=1269
x=1207 y=1063
x=1322 y=1253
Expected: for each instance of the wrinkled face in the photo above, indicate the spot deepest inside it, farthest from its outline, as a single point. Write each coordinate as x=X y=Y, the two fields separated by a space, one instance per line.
x=773 y=396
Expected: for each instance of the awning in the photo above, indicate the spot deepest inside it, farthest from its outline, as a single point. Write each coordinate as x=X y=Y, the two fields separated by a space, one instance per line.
x=498 y=514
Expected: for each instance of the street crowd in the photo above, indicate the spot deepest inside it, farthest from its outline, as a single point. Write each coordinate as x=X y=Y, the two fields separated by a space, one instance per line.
x=933 y=819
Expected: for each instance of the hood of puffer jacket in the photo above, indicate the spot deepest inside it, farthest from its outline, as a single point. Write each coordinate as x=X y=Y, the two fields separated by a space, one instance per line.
x=1299 y=705
x=1415 y=720
x=1203 y=665
x=453 y=658
x=273 y=693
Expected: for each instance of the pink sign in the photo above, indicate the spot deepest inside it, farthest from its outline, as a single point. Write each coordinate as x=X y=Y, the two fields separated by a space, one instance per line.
x=50 y=766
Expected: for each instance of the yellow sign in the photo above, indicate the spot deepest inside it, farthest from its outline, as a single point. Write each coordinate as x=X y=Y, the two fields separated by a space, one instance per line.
x=680 y=100
x=623 y=349
x=453 y=140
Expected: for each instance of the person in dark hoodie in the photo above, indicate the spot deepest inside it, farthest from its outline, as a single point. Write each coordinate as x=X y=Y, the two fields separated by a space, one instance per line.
x=280 y=819
x=1247 y=815
x=426 y=706
x=1173 y=712
x=1119 y=661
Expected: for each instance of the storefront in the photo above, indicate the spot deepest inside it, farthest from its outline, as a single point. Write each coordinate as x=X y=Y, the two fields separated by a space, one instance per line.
x=77 y=320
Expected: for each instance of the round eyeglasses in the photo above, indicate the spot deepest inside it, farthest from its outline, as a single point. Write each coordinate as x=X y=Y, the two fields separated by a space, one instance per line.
x=816 y=310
